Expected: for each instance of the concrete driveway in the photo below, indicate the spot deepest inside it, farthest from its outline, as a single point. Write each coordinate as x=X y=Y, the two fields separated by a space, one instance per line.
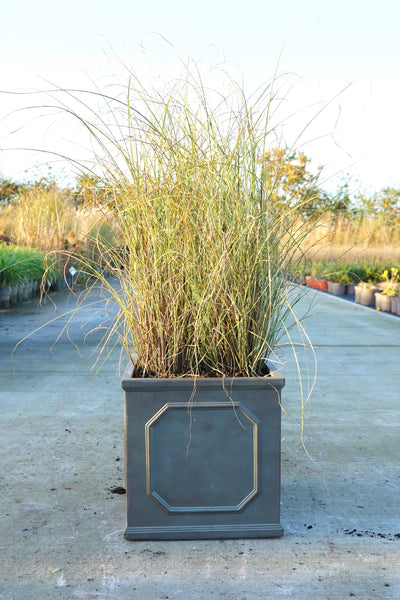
x=61 y=466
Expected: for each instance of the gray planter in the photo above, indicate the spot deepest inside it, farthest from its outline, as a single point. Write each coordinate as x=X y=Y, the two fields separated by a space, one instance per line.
x=5 y=295
x=22 y=294
x=14 y=294
x=202 y=460
x=337 y=289
x=29 y=289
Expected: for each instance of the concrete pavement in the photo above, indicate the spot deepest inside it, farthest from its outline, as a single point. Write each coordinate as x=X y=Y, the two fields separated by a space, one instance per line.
x=61 y=457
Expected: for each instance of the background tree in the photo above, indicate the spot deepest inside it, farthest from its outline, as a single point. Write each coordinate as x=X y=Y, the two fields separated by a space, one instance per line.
x=89 y=191
x=382 y=210
x=291 y=183
x=9 y=190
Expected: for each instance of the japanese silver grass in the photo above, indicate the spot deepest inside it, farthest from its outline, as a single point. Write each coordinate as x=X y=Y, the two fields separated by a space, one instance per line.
x=205 y=257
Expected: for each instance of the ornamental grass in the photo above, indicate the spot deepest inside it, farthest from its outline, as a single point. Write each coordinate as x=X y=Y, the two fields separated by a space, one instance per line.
x=204 y=257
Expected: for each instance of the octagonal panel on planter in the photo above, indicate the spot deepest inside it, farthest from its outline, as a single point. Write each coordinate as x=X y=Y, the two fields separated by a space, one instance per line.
x=202 y=459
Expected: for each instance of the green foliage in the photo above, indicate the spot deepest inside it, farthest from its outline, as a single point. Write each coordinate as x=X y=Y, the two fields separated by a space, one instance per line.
x=315 y=269
x=341 y=274
x=19 y=264
x=371 y=272
x=351 y=272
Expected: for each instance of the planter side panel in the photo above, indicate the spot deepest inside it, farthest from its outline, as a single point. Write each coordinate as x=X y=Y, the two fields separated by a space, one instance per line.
x=203 y=465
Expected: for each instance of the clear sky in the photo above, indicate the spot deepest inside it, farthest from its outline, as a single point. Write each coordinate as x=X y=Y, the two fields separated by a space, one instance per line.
x=327 y=44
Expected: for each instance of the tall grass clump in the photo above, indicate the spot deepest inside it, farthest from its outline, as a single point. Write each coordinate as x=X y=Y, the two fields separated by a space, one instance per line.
x=42 y=217
x=351 y=238
x=46 y=217
x=204 y=256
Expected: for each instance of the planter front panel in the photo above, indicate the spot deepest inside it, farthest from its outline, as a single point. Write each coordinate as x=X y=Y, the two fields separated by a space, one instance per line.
x=203 y=464
x=216 y=448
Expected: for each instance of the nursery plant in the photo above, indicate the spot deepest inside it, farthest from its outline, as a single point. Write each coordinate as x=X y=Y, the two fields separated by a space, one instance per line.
x=22 y=272
x=203 y=258
x=386 y=298
x=391 y=281
x=19 y=264
x=204 y=300
x=43 y=213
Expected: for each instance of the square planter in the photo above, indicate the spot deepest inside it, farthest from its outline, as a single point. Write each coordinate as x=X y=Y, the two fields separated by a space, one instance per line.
x=202 y=458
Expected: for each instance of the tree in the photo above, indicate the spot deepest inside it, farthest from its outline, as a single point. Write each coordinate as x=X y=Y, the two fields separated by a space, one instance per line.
x=291 y=184
x=89 y=191
x=383 y=208
x=9 y=190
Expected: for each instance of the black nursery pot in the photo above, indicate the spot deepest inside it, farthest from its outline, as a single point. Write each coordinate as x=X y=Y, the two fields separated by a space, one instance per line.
x=202 y=457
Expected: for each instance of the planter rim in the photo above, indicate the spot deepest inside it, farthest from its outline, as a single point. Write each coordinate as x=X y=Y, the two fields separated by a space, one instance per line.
x=275 y=380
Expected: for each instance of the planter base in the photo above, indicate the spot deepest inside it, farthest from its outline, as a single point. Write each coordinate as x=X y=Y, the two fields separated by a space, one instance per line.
x=263 y=530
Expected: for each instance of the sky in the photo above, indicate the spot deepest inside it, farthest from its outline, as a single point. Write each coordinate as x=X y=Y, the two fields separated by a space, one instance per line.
x=341 y=55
